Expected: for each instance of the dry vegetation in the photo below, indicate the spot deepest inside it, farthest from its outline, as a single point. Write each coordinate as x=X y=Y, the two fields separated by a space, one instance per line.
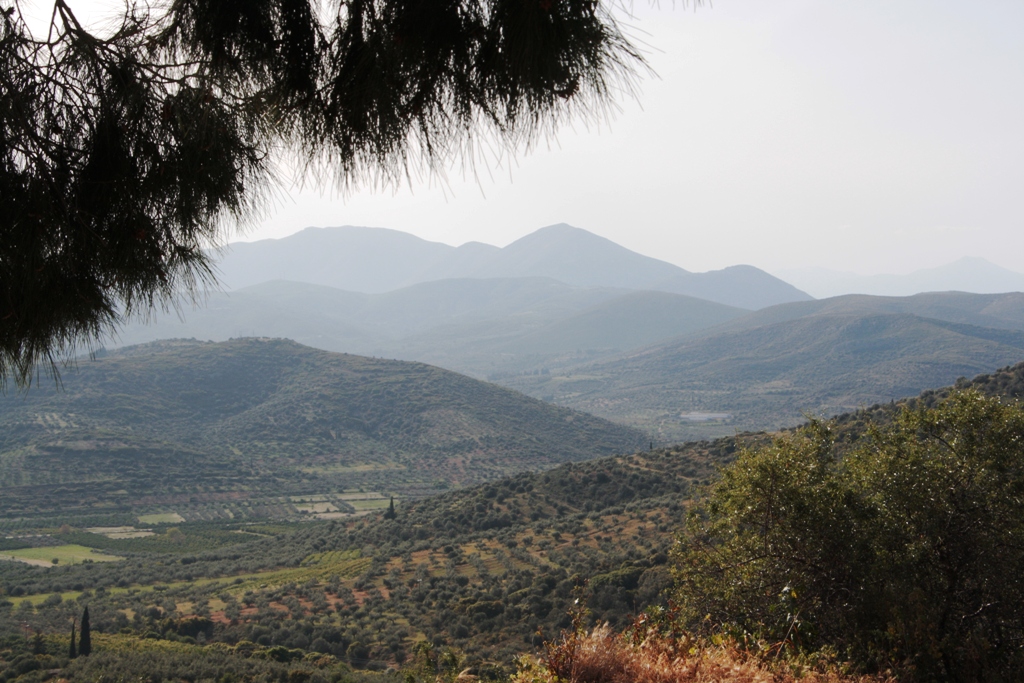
x=602 y=656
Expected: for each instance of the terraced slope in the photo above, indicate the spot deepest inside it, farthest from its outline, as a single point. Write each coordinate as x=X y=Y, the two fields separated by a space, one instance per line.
x=236 y=428
x=482 y=569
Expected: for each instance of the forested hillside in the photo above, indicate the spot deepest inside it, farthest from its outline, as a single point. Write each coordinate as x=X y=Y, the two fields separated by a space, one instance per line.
x=769 y=376
x=253 y=428
x=484 y=570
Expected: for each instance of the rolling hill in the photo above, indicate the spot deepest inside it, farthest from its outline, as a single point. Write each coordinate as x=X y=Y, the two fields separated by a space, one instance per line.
x=587 y=347
x=1000 y=311
x=772 y=375
x=483 y=569
x=485 y=328
x=626 y=322
x=643 y=358
x=357 y=322
x=376 y=260
x=236 y=428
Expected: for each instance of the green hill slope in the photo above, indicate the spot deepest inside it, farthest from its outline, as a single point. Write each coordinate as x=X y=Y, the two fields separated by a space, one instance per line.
x=482 y=569
x=240 y=428
x=770 y=376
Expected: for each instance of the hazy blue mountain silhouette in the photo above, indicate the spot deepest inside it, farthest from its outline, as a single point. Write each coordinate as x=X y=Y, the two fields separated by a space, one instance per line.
x=350 y=258
x=375 y=260
x=968 y=274
x=477 y=326
x=1001 y=311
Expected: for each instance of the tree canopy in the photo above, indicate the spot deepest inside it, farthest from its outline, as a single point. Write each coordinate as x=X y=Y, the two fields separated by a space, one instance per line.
x=902 y=552
x=125 y=156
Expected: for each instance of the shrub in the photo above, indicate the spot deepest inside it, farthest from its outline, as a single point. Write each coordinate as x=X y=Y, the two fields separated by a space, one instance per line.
x=903 y=551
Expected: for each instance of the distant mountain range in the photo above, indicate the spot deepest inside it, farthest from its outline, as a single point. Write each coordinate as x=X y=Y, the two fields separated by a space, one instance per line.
x=376 y=260
x=968 y=274
x=260 y=419
x=569 y=317
x=556 y=297
x=659 y=361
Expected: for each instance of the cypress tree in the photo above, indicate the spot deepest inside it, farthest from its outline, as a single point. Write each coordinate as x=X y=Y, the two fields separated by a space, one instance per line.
x=85 y=635
x=72 y=652
x=390 y=514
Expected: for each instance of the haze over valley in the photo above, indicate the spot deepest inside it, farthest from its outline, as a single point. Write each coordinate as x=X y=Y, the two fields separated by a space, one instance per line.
x=369 y=446
x=341 y=366
x=569 y=317
x=689 y=347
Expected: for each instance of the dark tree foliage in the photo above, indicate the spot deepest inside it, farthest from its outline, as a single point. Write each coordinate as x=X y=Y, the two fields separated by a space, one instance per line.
x=85 y=635
x=124 y=157
x=72 y=650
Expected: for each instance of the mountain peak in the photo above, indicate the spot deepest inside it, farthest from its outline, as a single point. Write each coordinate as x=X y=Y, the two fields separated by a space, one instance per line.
x=377 y=260
x=562 y=233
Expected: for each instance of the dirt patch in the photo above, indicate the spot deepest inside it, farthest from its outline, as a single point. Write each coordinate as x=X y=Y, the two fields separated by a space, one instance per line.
x=26 y=560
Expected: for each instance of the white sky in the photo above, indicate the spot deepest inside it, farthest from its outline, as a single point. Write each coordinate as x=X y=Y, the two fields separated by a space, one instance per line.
x=864 y=135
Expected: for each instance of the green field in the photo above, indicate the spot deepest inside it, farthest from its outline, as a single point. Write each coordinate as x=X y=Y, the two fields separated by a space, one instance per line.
x=64 y=554
x=370 y=504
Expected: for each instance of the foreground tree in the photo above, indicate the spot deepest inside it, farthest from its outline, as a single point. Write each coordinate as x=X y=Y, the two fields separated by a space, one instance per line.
x=906 y=552
x=124 y=157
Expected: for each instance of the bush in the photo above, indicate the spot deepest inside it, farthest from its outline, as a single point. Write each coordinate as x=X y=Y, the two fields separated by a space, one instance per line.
x=904 y=551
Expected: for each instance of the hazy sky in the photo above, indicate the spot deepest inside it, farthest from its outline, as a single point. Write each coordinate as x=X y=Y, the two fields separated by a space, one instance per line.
x=864 y=135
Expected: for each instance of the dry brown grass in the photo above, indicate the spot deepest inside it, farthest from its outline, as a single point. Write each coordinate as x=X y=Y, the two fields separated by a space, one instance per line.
x=602 y=656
